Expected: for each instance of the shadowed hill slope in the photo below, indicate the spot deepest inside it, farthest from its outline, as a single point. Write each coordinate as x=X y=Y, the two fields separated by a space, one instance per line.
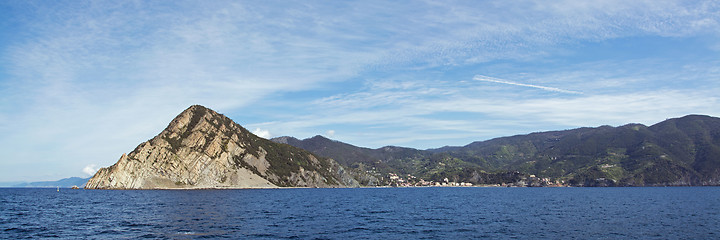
x=679 y=151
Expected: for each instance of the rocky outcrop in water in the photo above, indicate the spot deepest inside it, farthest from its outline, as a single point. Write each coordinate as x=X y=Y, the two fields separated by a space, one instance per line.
x=201 y=148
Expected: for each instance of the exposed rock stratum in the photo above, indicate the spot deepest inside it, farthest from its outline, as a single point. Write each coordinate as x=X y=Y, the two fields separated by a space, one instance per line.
x=201 y=148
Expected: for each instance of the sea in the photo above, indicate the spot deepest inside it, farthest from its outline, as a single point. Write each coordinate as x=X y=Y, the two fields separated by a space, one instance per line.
x=363 y=213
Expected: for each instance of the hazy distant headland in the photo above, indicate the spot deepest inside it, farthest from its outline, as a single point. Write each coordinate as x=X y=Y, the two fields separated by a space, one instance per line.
x=62 y=183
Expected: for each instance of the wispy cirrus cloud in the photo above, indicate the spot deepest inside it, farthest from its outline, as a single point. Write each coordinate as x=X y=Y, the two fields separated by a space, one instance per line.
x=106 y=75
x=421 y=113
x=503 y=81
x=412 y=120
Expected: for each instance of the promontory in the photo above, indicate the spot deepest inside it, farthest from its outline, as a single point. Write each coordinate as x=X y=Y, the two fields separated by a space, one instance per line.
x=201 y=148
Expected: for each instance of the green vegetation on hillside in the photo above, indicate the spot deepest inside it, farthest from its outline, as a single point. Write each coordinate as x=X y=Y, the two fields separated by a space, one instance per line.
x=682 y=151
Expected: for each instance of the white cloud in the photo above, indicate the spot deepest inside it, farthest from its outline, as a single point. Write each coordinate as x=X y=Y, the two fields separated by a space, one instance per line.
x=90 y=170
x=330 y=133
x=262 y=133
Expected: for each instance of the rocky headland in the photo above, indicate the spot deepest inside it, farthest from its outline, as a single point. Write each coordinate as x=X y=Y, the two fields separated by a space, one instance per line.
x=201 y=148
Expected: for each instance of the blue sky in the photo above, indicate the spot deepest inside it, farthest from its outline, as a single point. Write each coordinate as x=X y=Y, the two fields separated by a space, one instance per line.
x=81 y=83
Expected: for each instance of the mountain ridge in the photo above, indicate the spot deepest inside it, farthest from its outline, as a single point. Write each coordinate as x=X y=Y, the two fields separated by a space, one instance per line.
x=201 y=148
x=677 y=151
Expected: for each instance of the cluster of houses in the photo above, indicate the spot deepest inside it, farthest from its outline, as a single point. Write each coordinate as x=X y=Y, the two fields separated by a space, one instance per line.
x=534 y=181
x=412 y=181
x=396 y=180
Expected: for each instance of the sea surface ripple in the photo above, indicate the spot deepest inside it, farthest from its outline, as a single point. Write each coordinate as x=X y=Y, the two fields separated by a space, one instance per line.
x=363 y=213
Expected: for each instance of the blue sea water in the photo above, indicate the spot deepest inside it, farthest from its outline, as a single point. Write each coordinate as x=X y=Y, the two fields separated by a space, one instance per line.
x=367 y=213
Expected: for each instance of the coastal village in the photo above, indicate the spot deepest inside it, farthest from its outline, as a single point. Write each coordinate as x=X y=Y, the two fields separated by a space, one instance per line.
x=409 y=180
x=412 y=181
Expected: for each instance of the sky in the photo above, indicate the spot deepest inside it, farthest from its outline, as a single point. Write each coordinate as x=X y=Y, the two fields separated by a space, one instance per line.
x=82 y=82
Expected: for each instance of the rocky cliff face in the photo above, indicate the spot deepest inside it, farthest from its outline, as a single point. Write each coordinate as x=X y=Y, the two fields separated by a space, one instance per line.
x=201 y=148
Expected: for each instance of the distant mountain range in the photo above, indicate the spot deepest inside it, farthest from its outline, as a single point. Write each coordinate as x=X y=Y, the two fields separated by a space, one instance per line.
x=62 y=183
x=676 y=152
x=201 y=148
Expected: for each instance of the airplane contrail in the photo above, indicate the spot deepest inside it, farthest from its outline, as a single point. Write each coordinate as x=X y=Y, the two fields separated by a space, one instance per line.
x=497 y=80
